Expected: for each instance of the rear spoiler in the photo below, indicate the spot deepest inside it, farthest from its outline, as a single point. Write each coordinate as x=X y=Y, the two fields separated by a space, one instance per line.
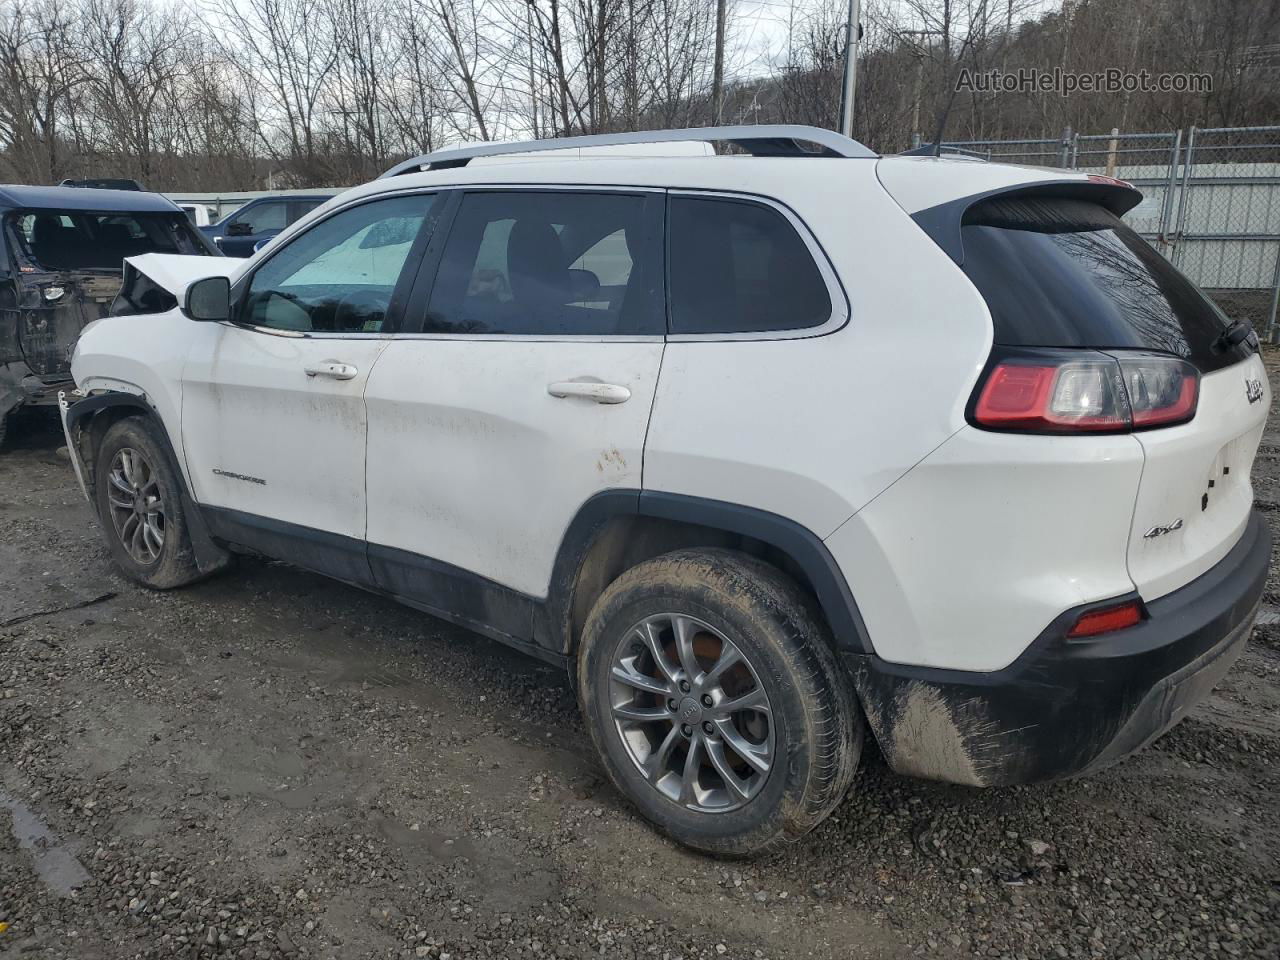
x=943 y=222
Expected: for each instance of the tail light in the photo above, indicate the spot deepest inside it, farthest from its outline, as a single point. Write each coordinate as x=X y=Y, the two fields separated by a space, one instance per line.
x=1061 y=392
x=1107 y=619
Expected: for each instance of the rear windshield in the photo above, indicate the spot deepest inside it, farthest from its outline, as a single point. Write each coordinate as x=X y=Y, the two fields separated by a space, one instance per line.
x=1069 y=273
x=74 y=240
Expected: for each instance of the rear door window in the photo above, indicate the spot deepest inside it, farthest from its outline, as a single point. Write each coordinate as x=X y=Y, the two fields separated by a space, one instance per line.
x=1059 y=272
x=737 y=266
x=551 y=263
x=300 y=208
x=272 y=215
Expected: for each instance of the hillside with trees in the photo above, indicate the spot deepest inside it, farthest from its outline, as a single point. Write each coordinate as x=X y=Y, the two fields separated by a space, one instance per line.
x=231 y=94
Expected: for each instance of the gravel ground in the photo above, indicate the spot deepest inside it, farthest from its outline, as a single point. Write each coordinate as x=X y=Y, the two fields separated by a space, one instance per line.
x=272 y=765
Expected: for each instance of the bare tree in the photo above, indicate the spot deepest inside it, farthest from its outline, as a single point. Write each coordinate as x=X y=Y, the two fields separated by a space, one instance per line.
x=40 y=70
x=289 y=47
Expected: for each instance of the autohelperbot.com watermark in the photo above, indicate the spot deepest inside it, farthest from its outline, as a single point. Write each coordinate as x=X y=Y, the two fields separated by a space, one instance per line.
x=1065 y=82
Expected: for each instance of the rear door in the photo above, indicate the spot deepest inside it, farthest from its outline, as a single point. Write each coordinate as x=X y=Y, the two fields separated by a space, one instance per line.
x=1067 y=273
x=525 y=388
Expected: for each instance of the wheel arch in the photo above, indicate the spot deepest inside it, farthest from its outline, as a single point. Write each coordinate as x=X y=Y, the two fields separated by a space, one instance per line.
x=88 y=421
x=617 y=529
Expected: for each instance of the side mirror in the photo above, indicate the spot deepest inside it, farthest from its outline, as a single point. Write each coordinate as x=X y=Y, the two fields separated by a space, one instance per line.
x=239 y=228
x=208 y=300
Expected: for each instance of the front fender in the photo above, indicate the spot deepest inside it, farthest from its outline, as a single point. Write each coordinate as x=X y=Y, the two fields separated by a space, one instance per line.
x=85 y=422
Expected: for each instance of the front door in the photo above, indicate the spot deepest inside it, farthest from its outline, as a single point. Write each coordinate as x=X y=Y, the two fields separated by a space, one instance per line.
x=273 y=414
x=525 y=390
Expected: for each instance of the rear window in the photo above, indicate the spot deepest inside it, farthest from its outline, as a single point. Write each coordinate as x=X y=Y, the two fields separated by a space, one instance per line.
x=1069 y=273
x=74 y=240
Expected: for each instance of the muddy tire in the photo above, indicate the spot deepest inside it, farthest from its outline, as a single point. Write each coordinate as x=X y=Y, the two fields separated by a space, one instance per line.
x=139 y=501
x=714 y=699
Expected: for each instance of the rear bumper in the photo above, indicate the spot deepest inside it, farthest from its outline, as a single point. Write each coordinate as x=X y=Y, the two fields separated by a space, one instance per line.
x=20 y=387
x=1068 y=707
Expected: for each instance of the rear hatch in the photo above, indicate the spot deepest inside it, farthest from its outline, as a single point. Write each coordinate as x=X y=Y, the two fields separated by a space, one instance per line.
x=67 y=268
x=1065 y=272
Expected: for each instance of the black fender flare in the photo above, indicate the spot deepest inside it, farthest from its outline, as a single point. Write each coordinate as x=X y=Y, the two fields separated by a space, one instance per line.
x=209 y=556
x=803 y=546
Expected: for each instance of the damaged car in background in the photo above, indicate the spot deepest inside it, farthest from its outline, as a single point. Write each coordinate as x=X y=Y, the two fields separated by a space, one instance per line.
x=63 y=250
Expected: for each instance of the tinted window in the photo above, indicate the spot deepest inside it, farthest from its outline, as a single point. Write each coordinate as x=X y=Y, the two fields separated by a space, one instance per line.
x=340 y=274
x=302 y=207
x=71 y=240
x=273 y=215
x=550 y=263
x=740 y=267
x=1067 y=273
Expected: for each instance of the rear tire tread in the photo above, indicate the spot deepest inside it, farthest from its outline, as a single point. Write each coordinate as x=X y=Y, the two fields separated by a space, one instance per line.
x=789 y=624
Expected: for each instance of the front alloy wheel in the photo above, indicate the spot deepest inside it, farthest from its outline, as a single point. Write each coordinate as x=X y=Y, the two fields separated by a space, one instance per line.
x=691 y=712
x=137 y=505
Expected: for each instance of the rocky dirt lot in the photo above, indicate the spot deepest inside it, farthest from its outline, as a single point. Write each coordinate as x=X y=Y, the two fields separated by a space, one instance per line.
x=272 y=765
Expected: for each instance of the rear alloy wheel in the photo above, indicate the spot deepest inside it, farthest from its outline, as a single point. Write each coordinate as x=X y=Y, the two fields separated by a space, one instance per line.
x=715 y=701
x=697 y=727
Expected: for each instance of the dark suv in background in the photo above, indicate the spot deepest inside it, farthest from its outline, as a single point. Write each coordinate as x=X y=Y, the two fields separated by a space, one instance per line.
x=238 y=234
x=61 y=265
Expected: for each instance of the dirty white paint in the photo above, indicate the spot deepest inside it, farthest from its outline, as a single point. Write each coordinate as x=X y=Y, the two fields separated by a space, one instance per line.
x=472 y=462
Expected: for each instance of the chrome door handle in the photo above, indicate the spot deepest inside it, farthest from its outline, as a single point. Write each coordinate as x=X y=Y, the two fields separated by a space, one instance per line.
x=331 y=369
x=590 y=390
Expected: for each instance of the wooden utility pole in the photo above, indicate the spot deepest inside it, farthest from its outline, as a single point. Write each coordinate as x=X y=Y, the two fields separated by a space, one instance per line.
x=717 y=79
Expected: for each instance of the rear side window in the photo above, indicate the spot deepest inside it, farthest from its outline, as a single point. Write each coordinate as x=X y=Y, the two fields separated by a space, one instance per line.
x=1068 y=273
x=300 y=208
x=272 y=215
x=548 y=263
x=740 y=267
x=73 y=240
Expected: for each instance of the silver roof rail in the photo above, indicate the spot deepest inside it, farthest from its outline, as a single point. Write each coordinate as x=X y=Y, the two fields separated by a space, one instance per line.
x=765 y=140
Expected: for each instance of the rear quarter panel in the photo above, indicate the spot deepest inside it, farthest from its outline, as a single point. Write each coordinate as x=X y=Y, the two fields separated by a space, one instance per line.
x=815 y=428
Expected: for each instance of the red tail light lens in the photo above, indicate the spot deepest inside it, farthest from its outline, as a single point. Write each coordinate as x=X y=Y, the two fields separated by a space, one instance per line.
x=1107 y=620
x=1161 y=390
x=1057 y=394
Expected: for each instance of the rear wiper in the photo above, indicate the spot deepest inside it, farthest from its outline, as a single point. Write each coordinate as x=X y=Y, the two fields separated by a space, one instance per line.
x=1236 y=333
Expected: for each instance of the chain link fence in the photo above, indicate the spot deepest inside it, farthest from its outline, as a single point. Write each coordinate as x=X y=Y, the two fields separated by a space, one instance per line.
x=1211 y=200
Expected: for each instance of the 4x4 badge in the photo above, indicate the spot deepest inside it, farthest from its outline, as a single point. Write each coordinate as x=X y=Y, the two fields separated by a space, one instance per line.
x=1253 y=389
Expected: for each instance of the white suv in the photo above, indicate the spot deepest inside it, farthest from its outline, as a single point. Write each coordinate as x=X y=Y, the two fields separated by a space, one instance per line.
x=764 y=448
